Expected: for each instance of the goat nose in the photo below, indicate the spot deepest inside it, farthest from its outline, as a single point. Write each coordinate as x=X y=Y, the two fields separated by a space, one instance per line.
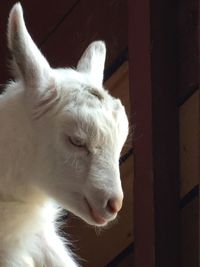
x=114 y=204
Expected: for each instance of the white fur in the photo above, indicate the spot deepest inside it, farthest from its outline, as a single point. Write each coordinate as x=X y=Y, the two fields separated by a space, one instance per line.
x=42 y=113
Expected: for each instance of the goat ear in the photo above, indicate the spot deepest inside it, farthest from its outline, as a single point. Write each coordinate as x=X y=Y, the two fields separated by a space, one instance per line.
x=93 y=60
x=28 y=61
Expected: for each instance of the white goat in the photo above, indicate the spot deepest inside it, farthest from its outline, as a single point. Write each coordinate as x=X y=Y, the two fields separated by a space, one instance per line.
x=60 y=141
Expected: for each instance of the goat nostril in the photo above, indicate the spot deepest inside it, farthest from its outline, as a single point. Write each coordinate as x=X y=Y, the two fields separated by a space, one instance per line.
x=114 y=205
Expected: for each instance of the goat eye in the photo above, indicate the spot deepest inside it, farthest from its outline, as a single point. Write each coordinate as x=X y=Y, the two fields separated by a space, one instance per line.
x=75 y=141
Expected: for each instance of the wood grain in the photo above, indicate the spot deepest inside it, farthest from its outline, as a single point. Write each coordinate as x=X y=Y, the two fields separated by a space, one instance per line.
x=189 y=138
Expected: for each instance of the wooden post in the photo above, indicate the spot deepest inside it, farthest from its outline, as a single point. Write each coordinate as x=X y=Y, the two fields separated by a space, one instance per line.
x=153 y=85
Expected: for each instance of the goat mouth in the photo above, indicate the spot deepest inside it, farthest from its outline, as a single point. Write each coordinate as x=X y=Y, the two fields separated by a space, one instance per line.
x=95 y=215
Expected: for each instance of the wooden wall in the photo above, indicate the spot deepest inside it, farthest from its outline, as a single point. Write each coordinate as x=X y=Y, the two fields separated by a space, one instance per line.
x=164 y=81
x=188 y=101
x=189 y=134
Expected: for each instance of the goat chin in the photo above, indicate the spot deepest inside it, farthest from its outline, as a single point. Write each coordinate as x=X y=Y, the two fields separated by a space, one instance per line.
x=60 y=141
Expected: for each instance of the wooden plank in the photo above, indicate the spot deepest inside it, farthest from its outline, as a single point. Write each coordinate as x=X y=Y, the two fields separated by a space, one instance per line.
x=40 y=20
x=141 y=108
x=41 y=17
x=152 y=55
x=90 y=20
x=125 y=258
x=165 y=122
x=118 y=85
x=189 y=234
x=101 y=247
x=124 y=261
x=189 y=138
x=127 y=261
x=65 y=45
x=188 y=48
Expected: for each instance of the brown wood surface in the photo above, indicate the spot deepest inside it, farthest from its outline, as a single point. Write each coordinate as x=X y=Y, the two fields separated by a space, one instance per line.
x=127 y=261
x=189 y=234
x=153 y=83
x=165 y=131
x=40 y=21
x=90 y=20
x=141 y=108
x=63 y=29
x=189 y=139
x=187 y=48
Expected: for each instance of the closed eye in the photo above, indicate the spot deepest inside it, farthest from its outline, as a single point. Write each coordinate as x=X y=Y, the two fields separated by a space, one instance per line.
x=77 y=142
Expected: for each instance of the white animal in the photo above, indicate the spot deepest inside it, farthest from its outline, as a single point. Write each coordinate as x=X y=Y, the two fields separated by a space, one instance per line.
x=60 y=140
